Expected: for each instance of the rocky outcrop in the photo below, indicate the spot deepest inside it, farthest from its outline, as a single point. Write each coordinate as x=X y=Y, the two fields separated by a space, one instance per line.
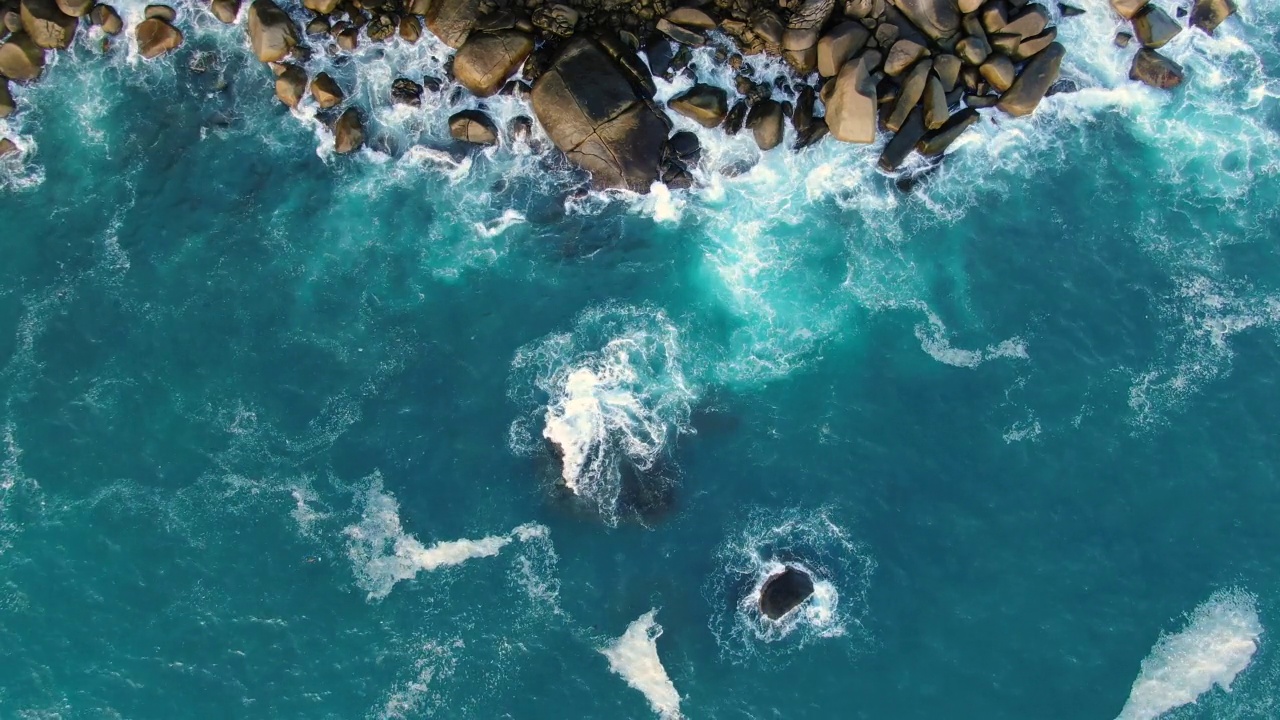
x=487 y=59
x=46 y=24
x=594 y=114
x=272 y=33
x=1156 y=70
x=291 y=84
x=156 y=37
x=326 y=91
x=473 y=126
x=20 y=58
x=106 y=17
x=348 y=132
x=1209 y=14
x=704 y=104
x=784 y=592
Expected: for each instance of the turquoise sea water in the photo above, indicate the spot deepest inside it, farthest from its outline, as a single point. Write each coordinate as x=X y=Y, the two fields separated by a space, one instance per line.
x=275 y=422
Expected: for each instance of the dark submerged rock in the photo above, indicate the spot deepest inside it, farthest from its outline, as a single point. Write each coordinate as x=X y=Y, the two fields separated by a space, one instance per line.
x=784 y=592
x=406 y=92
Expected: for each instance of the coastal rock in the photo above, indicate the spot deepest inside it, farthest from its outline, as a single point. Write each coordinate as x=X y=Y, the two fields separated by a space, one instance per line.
x=272 y=33
x=938 y=19
x=1030 y=22
x=521 y=128
x=1029 y=89
x=765 y=121
x=1156 y=70
x=7 y=147
x=474 y=127
x=317 y=27
x=406 y=92
x=47 y=25
x=326 y=91
x=291 y=83
x=976 y=49
x=902 y=56
x=410 y=29
x=20 y=58
x=486 y=60
x=908 y=95
x=348 y=37
x=999 y=72
x=348 y=132
x=6 y=99
x=156 y=37
x=805 y=24
x=10 y=22
x=452 y=20
x=381 y=28
x=704 y=104
x=947 y=68
x=935 y=104
x=802 y=116
x=841 y=43
x=1122 y=39
x=106 y=17
x=75 y=8
x=691 y=17
x=158 y=12
x=1209 y=14
x=735 y=118
x=784 y=592
x=766 y=25
x=852 y=103
x=594 y=115
x=903 y=142
x=320 y=7
x=558 y=20
x=935 y=143
x=225 y=10
x=1029 y=47
x=1154 y=28
x=681 y=34
x=1128 y=8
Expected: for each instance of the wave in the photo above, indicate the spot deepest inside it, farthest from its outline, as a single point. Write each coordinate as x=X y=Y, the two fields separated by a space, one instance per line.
x=1216 y=645
x=840 y=566
x=610 y=398
x=934 y=341
x=383 y=554
x=634 y=657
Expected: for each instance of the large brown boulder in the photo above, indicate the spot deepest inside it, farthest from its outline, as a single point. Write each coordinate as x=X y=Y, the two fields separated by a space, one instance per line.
x=156 y=37
x=1209 y=14
x=704 y=104
x=852 y=102
x=326 y=91
x=937 y=18
x=765 y=121
x=1128 y=8
x=453 y=20
x=348 y=132
x=1156 y=70
x=106 y=17
x=1033 y=82
x=291 y=84
x=599 y=119
x=322 y=7
x=75 y=8
x=486 y=60
x=20 y=58
x=225 y=10
x=7 y=147
x=805 y=24
x=1154 y=28
x=272 y=32
x=473 y=126
x=841 y=43
x=47 y=25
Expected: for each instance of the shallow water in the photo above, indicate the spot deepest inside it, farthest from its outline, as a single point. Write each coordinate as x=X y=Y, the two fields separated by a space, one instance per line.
x=275 y=422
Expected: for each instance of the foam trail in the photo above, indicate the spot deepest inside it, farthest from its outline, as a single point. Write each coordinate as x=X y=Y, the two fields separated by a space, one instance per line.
x=934 y=341
x=1217 y=644
x=384 y=554
x=634 y=657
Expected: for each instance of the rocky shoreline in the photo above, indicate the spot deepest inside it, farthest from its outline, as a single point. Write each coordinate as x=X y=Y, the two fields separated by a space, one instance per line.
x=917 y=70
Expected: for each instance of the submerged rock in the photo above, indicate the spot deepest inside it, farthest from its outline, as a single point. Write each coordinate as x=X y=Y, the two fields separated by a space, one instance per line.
x=406 y=92
x=272 y=32
x=157 y=37
x=474 y=127
x=348 y=132
x=784 y=592
x=20 y=58
x=594 y=114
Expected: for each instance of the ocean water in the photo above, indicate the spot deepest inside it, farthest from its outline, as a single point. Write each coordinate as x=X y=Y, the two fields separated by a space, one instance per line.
x=277 y=424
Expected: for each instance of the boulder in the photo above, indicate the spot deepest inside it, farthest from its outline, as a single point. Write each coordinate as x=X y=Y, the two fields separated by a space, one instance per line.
x=20 y=58
x=348 y=37
x=947 y=68
x=704 y=104
x=765 y=121
x=1122 y=39
x=320 y=7
x=318 y=27
x=1128 y=8
x=1156 y=70
x=558 y=20
x=681 y=34
x=802 y=116
x=46 y=24
x=936 y=142
x=975 y=49
x=106 y=17
x=156 y=37
x=805 y=24
x=909 y=95
x=12 y=23
x=291 y=84
x=903 y=142
x=1033 y=45
x=7 y=147
x=1037 y=76
x=473 y=126
x=410 y=29
x=967 y=7
x=735 y=118
x=902 y=56
x=768 y=27
x=159 y=12
x=1004 y=42
x=841 y=43
x=685 y=146
x=851 y=104
x=1154 y=28
x=999 y=72
x=1030 y=22
x=1209 y=14
x=406 y=92
x=938 y=19
x=521 y=128
x=935 y=104
x=691 y=17
x=486 y=60
x=225 y=10
x=784 y=591
x=6 y=99
x=348 y=132
x=272 y=33
x=452 y=20
x=381 y=28
x=75 y=8
x=588 y=106
x=1069 y=10
x=994 y=16
x=326 y=91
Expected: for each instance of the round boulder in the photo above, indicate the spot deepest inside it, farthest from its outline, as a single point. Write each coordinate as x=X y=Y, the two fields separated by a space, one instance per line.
x=225 y=10
x=20 y=58
x=474 y=127
x=156 y=37
x=486 y=60
x=784 y=591
x=159 y=12
x=271 y=31
x=326 y=91
x=410 y=29
x=106 y=17
x=348 y=132
x=765 y=120
x=47 y=25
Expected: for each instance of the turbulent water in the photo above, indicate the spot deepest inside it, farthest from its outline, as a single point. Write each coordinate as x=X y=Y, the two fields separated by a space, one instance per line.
x=414 y=433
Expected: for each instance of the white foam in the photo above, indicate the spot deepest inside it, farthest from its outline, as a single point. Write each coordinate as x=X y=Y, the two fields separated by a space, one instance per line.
x=634 y=657
x=934 y=341
x=432 y=661
x=1216 y=645
x=384 y=554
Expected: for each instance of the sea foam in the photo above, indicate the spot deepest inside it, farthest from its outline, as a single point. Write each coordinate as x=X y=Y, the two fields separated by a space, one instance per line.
x=1216 y=645
x=634 y=657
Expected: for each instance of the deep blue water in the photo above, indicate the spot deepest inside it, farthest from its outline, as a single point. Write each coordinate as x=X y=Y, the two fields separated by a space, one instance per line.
x=1020 y=422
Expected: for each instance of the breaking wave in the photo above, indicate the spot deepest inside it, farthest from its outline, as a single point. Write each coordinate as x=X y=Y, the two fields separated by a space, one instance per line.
x=634 y=657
